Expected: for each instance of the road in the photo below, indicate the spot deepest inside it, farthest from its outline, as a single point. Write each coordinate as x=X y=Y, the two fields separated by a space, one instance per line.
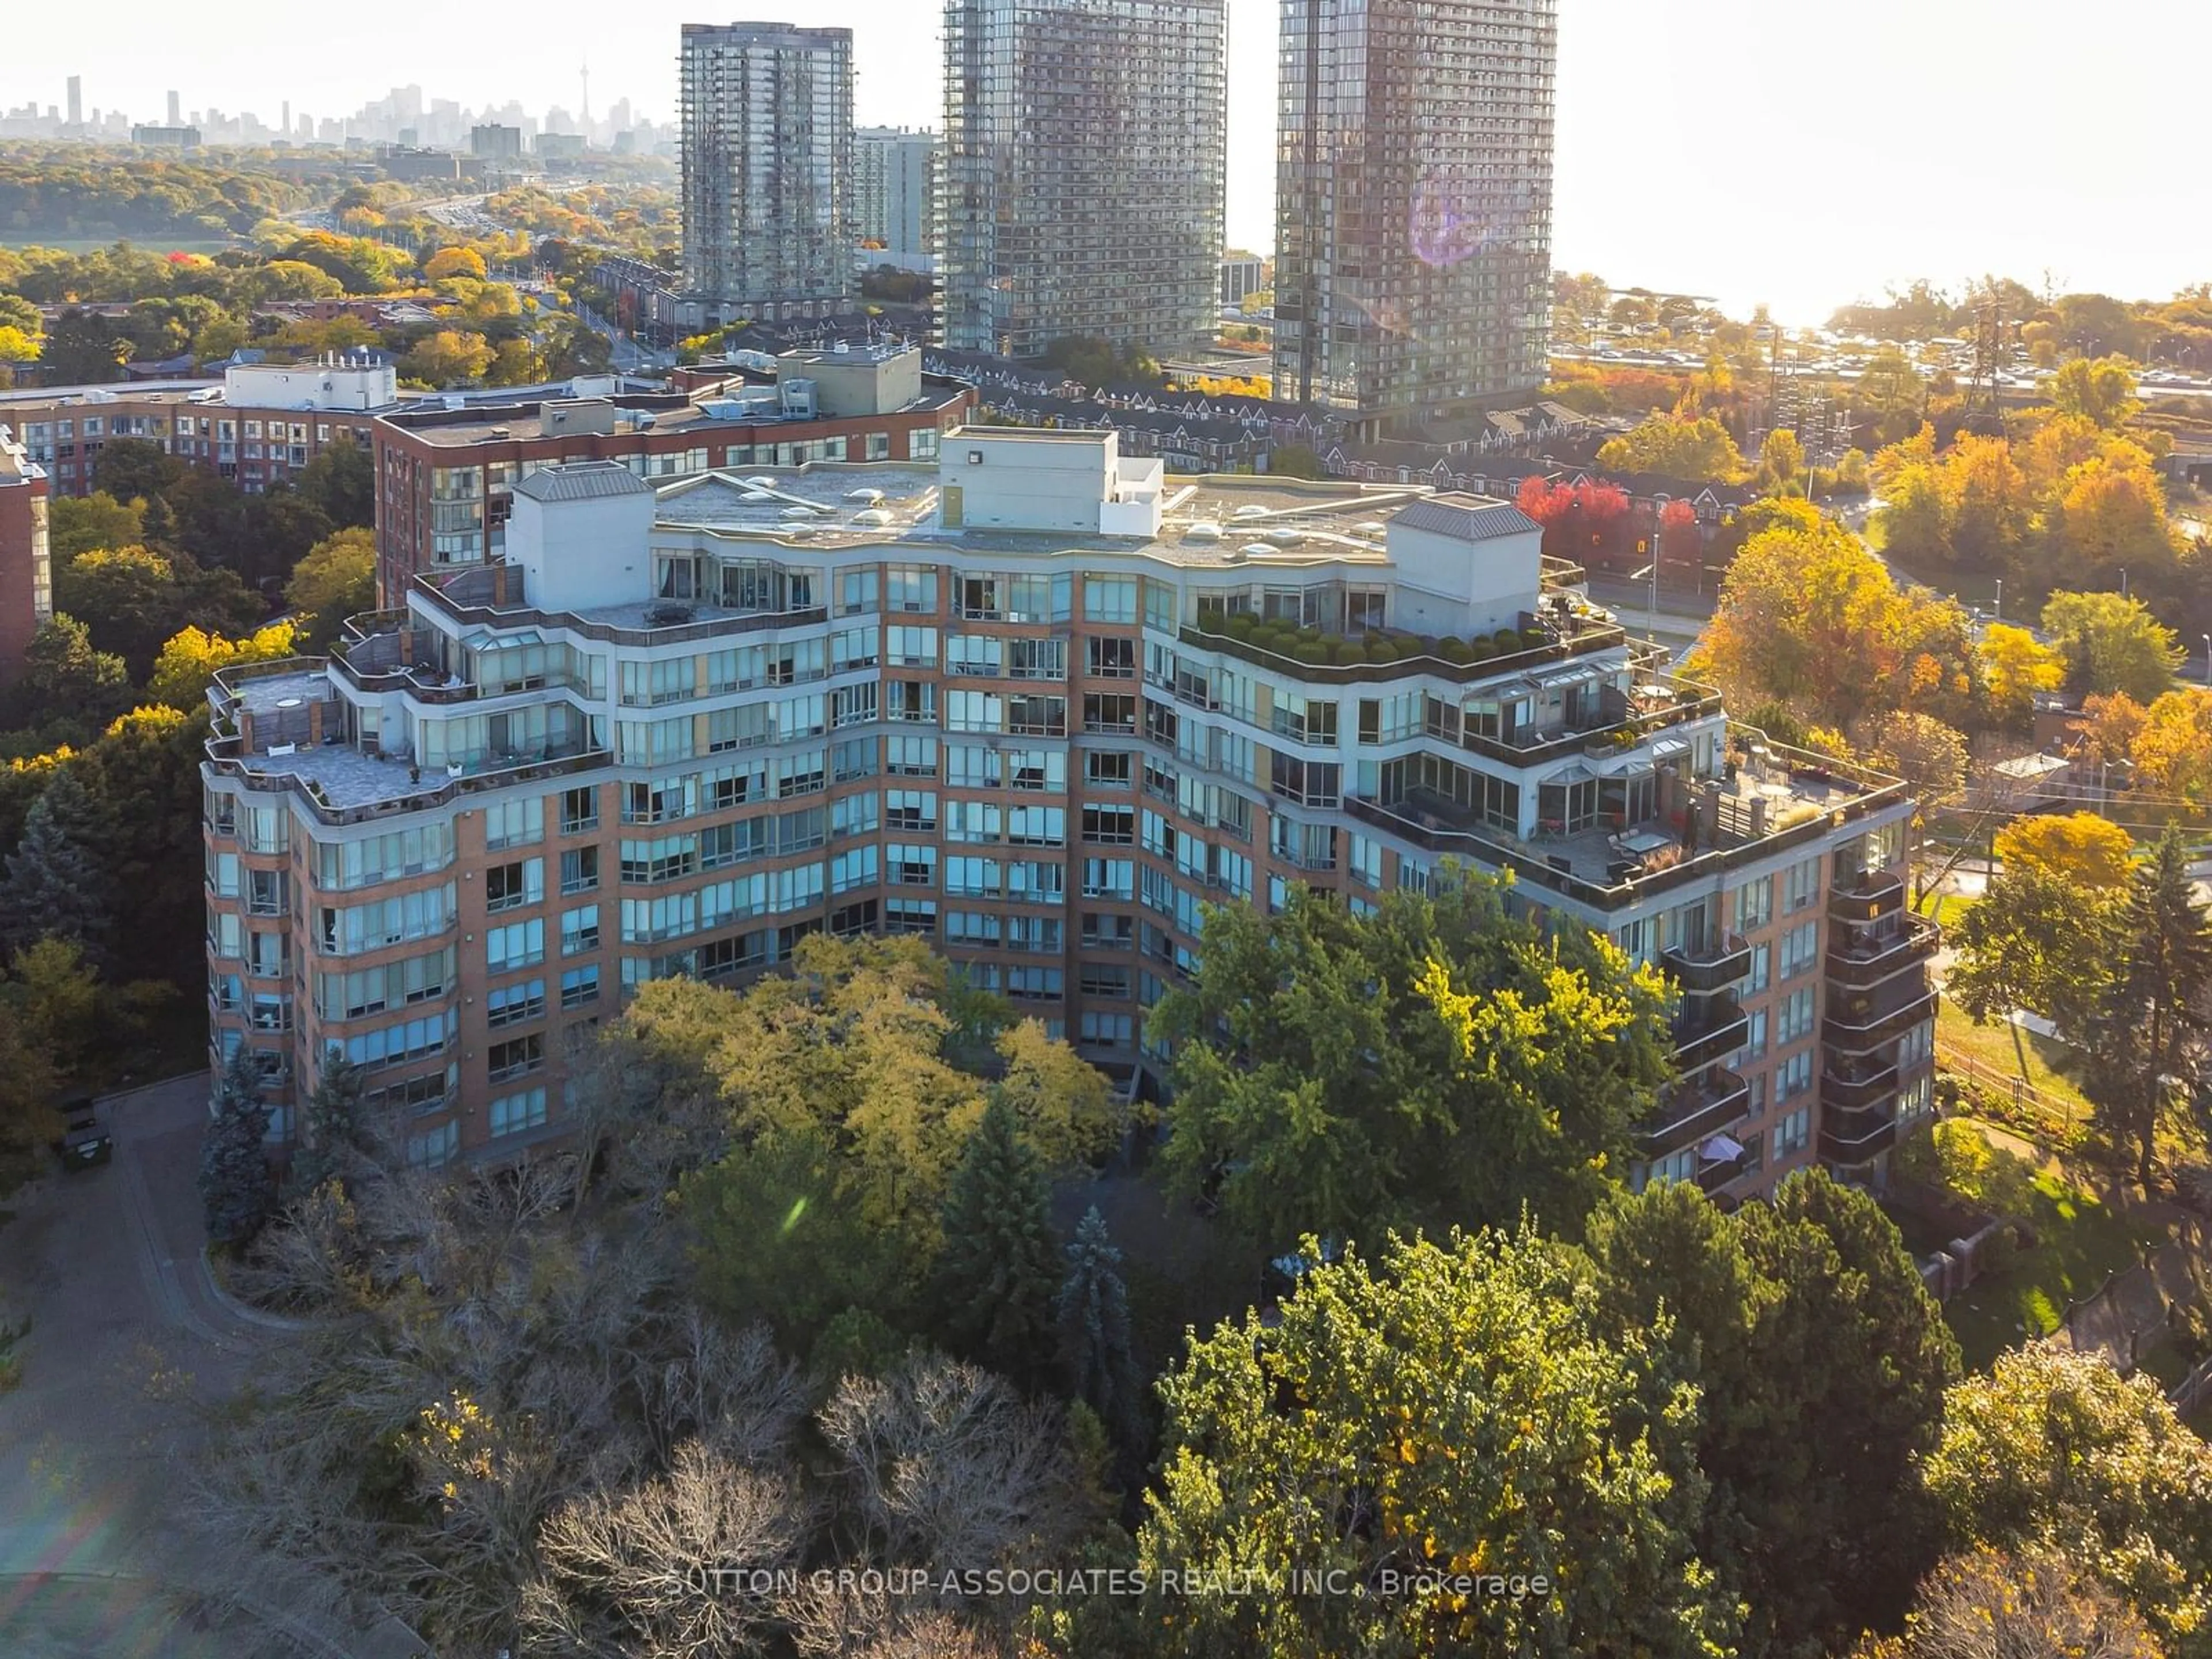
x=129 y=1343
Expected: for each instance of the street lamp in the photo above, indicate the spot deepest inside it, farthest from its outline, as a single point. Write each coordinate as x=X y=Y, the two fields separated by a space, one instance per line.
x=1997 y=614
x=1658 y=529
x=2208 y=660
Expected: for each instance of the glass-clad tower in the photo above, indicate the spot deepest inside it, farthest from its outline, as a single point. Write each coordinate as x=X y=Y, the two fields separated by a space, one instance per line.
x=1085 y=144
x=1413 y=204
x=768 y=168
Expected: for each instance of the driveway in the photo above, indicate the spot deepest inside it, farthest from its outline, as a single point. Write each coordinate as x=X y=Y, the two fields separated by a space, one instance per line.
x=129 y=1341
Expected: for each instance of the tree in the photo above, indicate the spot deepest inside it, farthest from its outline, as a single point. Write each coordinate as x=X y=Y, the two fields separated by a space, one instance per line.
x=68 y=690
x=1922 y=750
x=53 y=889
x=50 y=1021
x=2142 y=1051
x=83 y=348
x=97 y=520
x=2171 y=746
x=2077 y=846
x=132 y=599
x=447 y=358
x=1804 y=1311
x=340 y=484
x=455 y=261
x=2054 y=1450
x=331 y=1127
x=143 y=777
x=335 y=581
x=2038 y=939
x=2015 y=667
x=1696 y=452
x=1986 y=1604
x=1436 y=1062
x=190 y=661
x=234 y=1191
x=1781 y=463
x=2101 y=390
x=1000 y=1266
x=2110 y=643
x=2113 y=516
x=1451 y=1410
x=1071 y=1114
x=1093 y=1311
x=1808 y=617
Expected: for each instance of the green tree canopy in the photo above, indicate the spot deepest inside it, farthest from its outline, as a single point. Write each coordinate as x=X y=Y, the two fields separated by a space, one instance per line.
x=2112 y=643
x=1697 y=452
x=1437 y=1062
x=1448 y=1410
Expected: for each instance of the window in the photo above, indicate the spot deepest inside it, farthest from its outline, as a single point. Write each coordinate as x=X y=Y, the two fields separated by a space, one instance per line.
x=517 y=1057
x=433 y=1148
x=1754 y=1042
x=910 y=587
x=510 y=886
x=1103 y=770
x=1107 y=1031
x=1794 y=1019
x=1800 y=949
x=1112 y=658
x=1761 y=964
x=1792 y=1132
x=514 y=824
x=579 y=871
x=513 y=1005
x=580 y=930
x=518 y=945
x=512 y=1114
x=1109 y=599
x=1794 y=1076
x=580 y=986
x=1754 y=905
x=1800 y=886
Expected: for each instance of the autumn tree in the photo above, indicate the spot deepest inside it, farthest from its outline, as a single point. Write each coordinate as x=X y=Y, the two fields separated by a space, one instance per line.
x=2110 y=643
x=2053 y=1450
x=79 y=525
x=132 y=599
x=447 y=358
x=453 y=261
x=2017 y=667
x=1447 y=1408
x=190 y=660
x=1992 y=1604
x=1808 y=617
x=335 y=581
x=2101 y=389
x=1697 y=452
x=2077 y=846
x=2172 y=745
x=1929 y=755
x=1436 y=1062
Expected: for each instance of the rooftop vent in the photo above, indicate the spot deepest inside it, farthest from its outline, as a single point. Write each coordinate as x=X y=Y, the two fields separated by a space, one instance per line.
x=668 y=615
x=1249 y=510
x=1204 y=529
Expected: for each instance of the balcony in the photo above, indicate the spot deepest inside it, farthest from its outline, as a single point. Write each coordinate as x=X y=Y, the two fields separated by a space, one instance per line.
x=1849 y=1088
x=1869 y=898
x=1703 y=1034
x=1712 y=1177
x=1713 y=965
x=1863 y=960
x=1860 y=1023
x=1691 y=1109
x=1857 y=1138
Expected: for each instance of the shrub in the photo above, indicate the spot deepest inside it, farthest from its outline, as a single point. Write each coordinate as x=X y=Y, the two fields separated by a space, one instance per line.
x=1382 y=651
x=1347 y=651
x=1507 y=640
x=1476 y=650
x=1310 y=651
x=1309 y=636
x=1534 y=638
x=1454 y=651
x=1240 y=626
x=1428 y=643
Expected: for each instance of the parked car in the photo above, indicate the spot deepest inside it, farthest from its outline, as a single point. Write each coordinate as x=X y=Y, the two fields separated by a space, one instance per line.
x=84 y=1140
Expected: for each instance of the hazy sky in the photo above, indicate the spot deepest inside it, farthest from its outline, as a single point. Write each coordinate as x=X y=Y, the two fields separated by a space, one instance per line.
x=1802 y=154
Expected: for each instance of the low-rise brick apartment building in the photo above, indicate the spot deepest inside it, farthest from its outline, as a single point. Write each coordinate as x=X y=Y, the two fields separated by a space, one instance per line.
x=27 y=595
x=445 y=477
x=1019 y=699
x=260 y=424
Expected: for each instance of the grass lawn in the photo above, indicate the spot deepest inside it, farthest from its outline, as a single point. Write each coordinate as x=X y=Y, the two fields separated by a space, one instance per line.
x=1945 y=909
x=2080 y=1243
x=2006 y=1051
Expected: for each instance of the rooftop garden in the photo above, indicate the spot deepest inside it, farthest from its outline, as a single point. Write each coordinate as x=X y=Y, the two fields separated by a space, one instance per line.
x=1287 y=643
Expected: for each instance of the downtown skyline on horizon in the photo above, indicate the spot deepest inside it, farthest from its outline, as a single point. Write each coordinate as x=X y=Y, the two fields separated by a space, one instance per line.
x=1685 y=159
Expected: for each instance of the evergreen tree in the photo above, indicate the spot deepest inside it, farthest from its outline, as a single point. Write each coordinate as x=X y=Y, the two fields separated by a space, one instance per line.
x=1094 y=1330
x=2145 y=1039
x=233 y=1169
x=330 y=1126
x=1000 y=1265
x=52 y=888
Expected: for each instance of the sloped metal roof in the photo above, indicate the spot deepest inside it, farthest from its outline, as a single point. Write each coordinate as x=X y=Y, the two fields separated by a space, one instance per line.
x=1468 y=517
x=583 y=480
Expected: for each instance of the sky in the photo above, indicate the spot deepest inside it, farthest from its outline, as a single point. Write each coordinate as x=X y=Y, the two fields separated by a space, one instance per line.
x=1801 y=156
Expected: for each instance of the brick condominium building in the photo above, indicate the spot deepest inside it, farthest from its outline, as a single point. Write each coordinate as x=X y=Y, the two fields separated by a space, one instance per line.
x=1039 y=703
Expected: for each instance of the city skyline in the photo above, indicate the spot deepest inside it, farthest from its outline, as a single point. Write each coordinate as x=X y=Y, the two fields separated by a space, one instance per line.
x=1723 y=151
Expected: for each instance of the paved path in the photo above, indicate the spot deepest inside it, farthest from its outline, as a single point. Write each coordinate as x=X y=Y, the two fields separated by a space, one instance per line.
x=129 y=1340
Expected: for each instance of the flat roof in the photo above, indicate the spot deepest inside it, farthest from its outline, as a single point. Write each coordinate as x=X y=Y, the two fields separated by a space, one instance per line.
x=525 y=421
